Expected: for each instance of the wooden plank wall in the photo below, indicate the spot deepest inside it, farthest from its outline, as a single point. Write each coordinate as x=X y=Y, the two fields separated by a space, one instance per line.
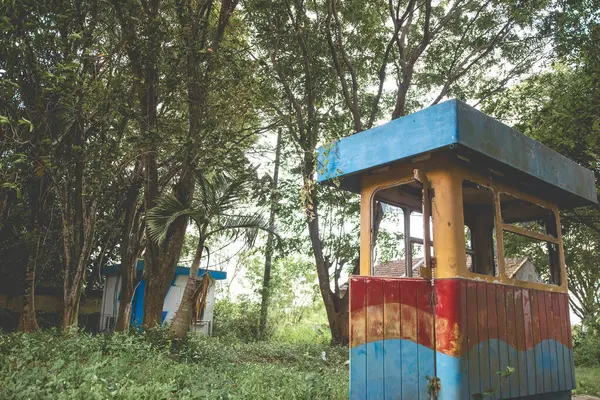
x=486 y=328
x=391 y=338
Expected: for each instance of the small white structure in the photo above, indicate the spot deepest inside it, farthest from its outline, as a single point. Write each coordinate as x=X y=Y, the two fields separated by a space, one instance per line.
x=112 y=286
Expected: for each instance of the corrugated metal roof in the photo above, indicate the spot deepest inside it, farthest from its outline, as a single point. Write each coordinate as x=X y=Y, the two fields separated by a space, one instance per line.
x=179 y=270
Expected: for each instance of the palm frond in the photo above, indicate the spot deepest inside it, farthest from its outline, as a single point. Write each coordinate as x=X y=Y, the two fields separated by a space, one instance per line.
x=248 y=225
x=168 y=208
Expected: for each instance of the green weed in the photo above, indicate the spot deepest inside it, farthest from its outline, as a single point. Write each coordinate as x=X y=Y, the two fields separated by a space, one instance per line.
x=48 y=365
x=588 y=381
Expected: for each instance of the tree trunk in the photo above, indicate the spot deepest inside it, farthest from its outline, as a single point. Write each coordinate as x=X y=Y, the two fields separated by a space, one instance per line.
x=28 y=321
x=341 y=323
x=265 y=293
x=78 y=239
x=71 y=312
x=156 y=290
x=126 y=294
x=160 y=262
x=336 y=307
x=159 y=267
x=124 y=313
x=400 y=107
x=130 y=250
x=183 y=317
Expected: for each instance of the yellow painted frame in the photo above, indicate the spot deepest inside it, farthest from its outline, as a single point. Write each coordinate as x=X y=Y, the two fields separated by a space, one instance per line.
x=446 y=174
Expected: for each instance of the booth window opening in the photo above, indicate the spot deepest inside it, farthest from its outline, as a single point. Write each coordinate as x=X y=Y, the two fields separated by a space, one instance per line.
x=397 y=242
x=479 y=228
x=531 y=244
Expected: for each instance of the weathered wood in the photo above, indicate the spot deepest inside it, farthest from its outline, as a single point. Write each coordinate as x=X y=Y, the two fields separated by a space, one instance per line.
x=503 y=339
x=473 y=339
x=494 y=345
x=536 y=334
x=392 y=315
x=529 y=343
x=526 y=232
x=410 y=369
x=375 y=350
x=511 y=344
x=483 y=337
x=482 y=329
x=545 y=347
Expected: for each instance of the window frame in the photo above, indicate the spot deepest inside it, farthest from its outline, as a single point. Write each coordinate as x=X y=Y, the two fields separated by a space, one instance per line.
x=471 y=252
x=460 y=270
x=528 y=233
x=407 y=243
x=499 y=228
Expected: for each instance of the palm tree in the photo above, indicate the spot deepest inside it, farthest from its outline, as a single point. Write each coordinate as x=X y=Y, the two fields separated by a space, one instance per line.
x=216 y=196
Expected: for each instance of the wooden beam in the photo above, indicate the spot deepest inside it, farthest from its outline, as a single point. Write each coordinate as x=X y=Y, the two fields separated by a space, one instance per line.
x=531 y=234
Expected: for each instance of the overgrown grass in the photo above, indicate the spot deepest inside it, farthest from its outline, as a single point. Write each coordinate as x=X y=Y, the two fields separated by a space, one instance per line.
x=48 y=365
x=588 y=381
x=586 y=350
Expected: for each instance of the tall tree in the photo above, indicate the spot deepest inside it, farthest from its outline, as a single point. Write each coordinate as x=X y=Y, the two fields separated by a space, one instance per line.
x=130 y=246
x=441 y=48
x=62 y=92
x=559 y=107
x=24 y=131
x=86 y=124
x=213 y=212
x=264 y=302
x=188 y=52
x=144 y=32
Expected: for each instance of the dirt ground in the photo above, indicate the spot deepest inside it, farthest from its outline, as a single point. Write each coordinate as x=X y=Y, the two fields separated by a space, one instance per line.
x=585 y=397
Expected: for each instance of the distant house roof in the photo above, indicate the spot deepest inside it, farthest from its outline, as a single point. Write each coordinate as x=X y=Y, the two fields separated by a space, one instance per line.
x=180 y=270
x=513 y=265
x=398 y=267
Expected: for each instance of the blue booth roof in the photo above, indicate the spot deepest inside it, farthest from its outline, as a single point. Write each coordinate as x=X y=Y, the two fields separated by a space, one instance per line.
x=458 y=127
x=180 y=270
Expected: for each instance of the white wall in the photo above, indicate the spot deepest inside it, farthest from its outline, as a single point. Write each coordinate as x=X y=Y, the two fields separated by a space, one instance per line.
x=527 y=273
x=174 y=296
x=110 y=303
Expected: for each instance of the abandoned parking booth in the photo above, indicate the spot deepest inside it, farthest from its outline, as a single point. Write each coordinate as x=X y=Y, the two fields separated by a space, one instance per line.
x=462 y=291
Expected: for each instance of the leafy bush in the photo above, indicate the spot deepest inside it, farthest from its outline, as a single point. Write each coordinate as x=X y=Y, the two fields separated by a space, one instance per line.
x=239 y=319
x=302 y=333
x=586 y=347
x=150 y=365
x=587 y=381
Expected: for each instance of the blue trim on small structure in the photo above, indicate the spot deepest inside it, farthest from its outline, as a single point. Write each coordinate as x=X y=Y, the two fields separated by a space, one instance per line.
x=137 y=305
x=454 y=125
x=180 y=270
x=218 y=275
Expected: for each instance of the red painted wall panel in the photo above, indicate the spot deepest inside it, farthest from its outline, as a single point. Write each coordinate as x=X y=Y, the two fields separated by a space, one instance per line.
x=486 y=327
